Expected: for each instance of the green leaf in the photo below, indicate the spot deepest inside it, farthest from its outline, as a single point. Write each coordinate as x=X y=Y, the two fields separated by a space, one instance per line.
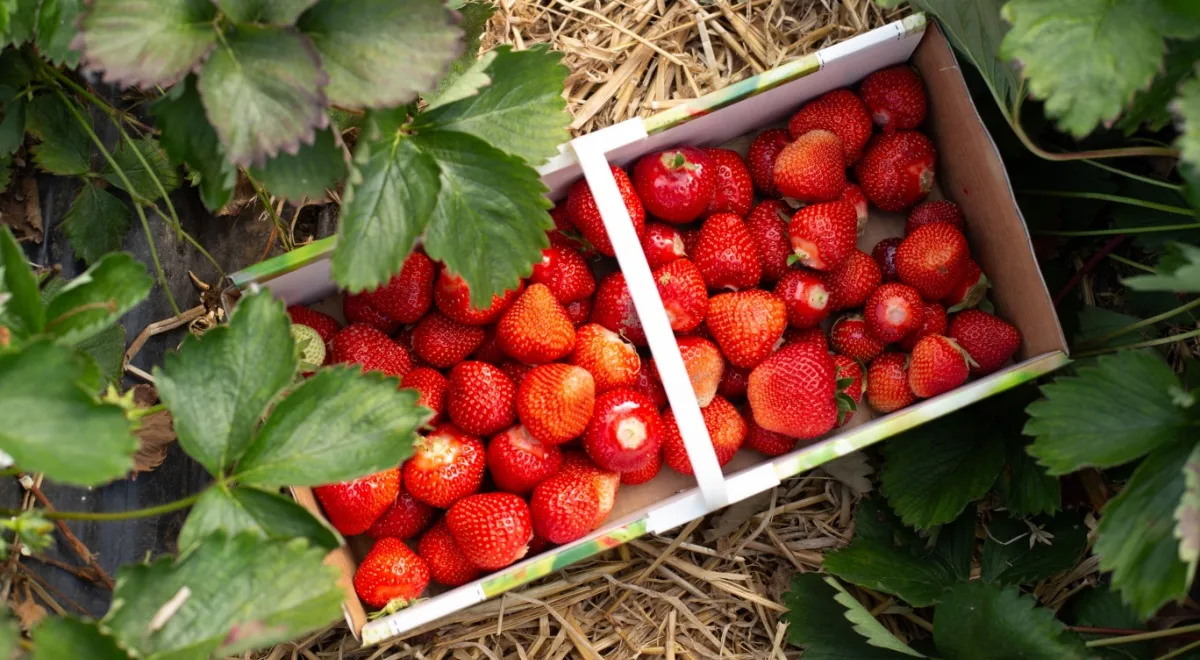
x=21 y=309
x=1187 y=514
x=338 y=425
x=1013 y=554
x=139 y=176
x=98 y=298
x=1107 y=414
x=147 y=42
x=881 y=566
x=258 y=512
x=1179 y=271
x=381 y=53
x=219 y=385
x=12 y=127
x=467 y=83
x=189 y=139
x=107 y=350
x=263 y=92
x=67 y=637
x=1149 y=106
x=96 y=223
x=1023 y=485
x=56 y=30
x=976 y=30
x=9 y=636
x=52 y=425
x=1101 y=607
x=824 y=630
x=226 y=596
x=475 y=16
x=522 y=112
x=308 y=172
x=278 y=12
x=1135 y=539
x=866 y=625
x=956 y=543
x=1095 y=322
x=979 y=621
x=22 y=20
x=931 y=473
x=65 y=147
x=874 y=520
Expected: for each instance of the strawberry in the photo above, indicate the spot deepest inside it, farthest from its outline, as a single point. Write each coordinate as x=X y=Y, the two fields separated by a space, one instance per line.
x=362 y=344
x=931 y=259
x=648 y=384
x=850 y=337
x=895 y=98
x=516 y=371
x=536 y=329
x=312 y=349
x=823 y=235
x=898 y=169
x=812 y=168
x=726 y=254
x=675 y=185
x=489 y=351
x=734 y=191
x=561 y=217
x=937 y=365
x=585 y=215
x=606 y=482
x=689 y=238
x=842 y=113
x=794 y=392
x=491 y=529
x=892 y=311
x=564 y=507
x=480 y=398
x=851 y=283
x=612 y=361
x=624 y=431
x=989 y=341
x=613 y=308
x=431 y=388
x=444 y=343
x=747 y=325
x=853 y=195
x=566 y=273
x=884 y=254
x=357 y=308
x=325 y=325
x=704 y=363
x=761 y=156
x=452 y=295
x=733 y=382
x=446 y=466
x=353 y=506
x=403 y=337
x=849 y=373
x=555 y=402
x=933 y=322
x=684 y=297
x=447 y=564
x=768 y=442
x=887 y=383
x=970 y=289
x=932 y=212
x=579 y=311
x=726 y=430
x=815 y=336
x=767 y=225
x=404 y=519
x=644 y=474
x=390 y=576
x=537 y=544
x=409 y=294
x=517 y=461
x=662 y=244
x=805 y=296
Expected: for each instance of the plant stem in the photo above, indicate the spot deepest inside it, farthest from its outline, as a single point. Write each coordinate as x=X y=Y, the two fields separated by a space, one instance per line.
x=100 y=103
x=1142 y=324
x=1180 y=651
x=1088 y=267
x=1130 y=201
x=1123 y=230
x=80 y=549
x=1136 y=177
x=1141 y=344
x=116 y=515
x=1015 y=122
x=265 y=200
x=1143 y=637
x=1130 y=262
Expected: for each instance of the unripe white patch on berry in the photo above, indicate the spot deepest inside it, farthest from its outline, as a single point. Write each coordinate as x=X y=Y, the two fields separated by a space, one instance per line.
x=631 y=433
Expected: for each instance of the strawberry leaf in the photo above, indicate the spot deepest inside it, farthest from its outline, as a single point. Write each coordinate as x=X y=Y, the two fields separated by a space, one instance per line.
x=1024 y=486
x=12 y=126
x=825 y=630
x=1178 y=271
x=22 y=20
x=189 y=139
x=1149 y=108
x=467 y=83
x=65 y=147
x=308 y=172
x=475 y=16
x=881 y=565
x=277 y=12
x=96 y=223
x=866 y=624
x=146 y=42
x=107 y=350
x=1101 y=607
x=264 y=514
x=56 y=30
x=1187 y=514
x=141 y=177
x=1027 y=552
x=980 y=621
x=976 y=30
x=67 y=637
x=98 y=298
x=21 y=308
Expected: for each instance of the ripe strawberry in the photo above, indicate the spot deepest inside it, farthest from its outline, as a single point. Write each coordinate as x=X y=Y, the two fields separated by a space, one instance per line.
x=726 y=429
x=453 y=297
x=404 y=519
x=537 y=544
x=491 y=529
x=613 y=309
x=884 y=254
x=850 y=337
x=849 y=375
x=555 y=402
x=681 y=287
x=853 y=195
x=403 y=337
x=892 y=311
x=579 y=311
x=824 y=235
x=937 y=365
x=536 y=329
x=794 y=392
x=390 y=576
x=763 y=152
x=517 y=461
x=726 y=254
x=480 y=398
x=408 y=295
x=489 y=351
x=662 y=244
x=815 y=336
x=933 y=322
x=840 y=112
x=446 y=466
x=353 y=506
x=689 y=238
x=805 y=296
x=612 y=361
x=895 y=97
x=734 y=191
x=357 y=308
x=747 y=325
x=812 y=168
x=566 y=273
x=516 y=371
x=447 y=564
x=431 y=388
x=325 y=325
x=931 y=259
x=932 y=212
x=705 y=366
x=887 y=383
x=852 y=283
x=444 y=343
x=585 y=215
x=564 y=507
x=624 y=431
x=733 y=382
x=768 y=442
x=989 y=341
x=648 y=384
x=362 y=344
x=970 y=289
x=561 y=217
x=644 y=474
x=675 y=185
x=898 y=169
x=606 y=482
x=767 y=225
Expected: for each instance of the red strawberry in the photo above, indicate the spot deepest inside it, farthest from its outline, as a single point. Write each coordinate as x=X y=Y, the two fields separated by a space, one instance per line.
x=579 y=311
x=362 y=344
x=443 y=342
x=585 y=215
x=849 y=374
x=794 y=392
x=480 y=398
x=517 y=461
x=815 y=336
x=555 y=402
x=489 y=351
x=612 y=361
x=536 y=329
x=606 y=482
x=812 y=168
x=726 y=430
x=566 y=274
x=390 y=576
x=561 y=217
x=897 y=170
x=840 y=112
x=806 y=297
x=404 y=519
x=624 y=431
x=747 y=325
x=644 y=474
x=325 y=325
x=937 y=365
x=895 y=97
x=431 y=388
x=892 y=311
x=850 y=337
x=647 y=383
x=537 y=544
x=989 y=341
x=564 y=507
x=675 y=185
x=408 y=295
x=357 y=308
x=684 y=297
x=453 y=297
x=851 y=283
x=516 y=371
x=726 y=254
x=491 y=529
x=447 y=564
x=353 y=506
x=613 y=309
x=932 y=212
x=884 y=255
x=761 y=159
x=403 y=337
x=689 y=238
x=662 y=244
x=931 y=259
x=734 y=191
x=446 y=466
x=733 y=382
x=767 y=225
x=853 y=195
x=704 y=364
x=933 y=322
x=970 y=289
x=768 y=442
x=823 y=236
x=887 y=383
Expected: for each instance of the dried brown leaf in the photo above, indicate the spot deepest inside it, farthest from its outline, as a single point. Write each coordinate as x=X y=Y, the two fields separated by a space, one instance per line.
x=155 y=434
x=852 y=470
x=28 y=612
x=21 y=210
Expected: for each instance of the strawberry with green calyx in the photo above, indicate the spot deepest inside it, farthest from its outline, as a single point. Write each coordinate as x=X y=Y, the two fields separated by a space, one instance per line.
x=612 y=361
x=564 y=507
x=624 y=431
x=662 y=244
x=734 y=190
x=536 y=328
x=517 y=461
x=849 y=373
x=898 y=169
x=823 y=235
x=938 y=364
x=746 y=325
x=988 y=340
x=884 y=254
x=932 y=212
x=895 y=98
x=446 y=466
x=893 y=311
x=359 y=343
x=405 y=518
x=409 y=294
x=447 y=564
x=812 y=168
x=761 y=157
x=969 y=290
x=726 y=429
x=391 y=576
x=887 y=383
x=444 y=342
x=849 y=336
x=726 y=254
x=309 y=346
x=806 y=297
x=431 y=388
x=555 y=402
x=767 y=225
x=491 y=529
x=675 y=185
x=794 y=392
x=842 y=113
x=585 y=214
x=353 y=506
x=931 y=259
x=684 y=295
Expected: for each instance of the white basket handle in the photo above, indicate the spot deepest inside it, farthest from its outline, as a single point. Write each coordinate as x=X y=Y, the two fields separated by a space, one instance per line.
x=591 y=150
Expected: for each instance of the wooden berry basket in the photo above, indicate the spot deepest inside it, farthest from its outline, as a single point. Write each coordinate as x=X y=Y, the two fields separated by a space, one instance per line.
x=970 y=173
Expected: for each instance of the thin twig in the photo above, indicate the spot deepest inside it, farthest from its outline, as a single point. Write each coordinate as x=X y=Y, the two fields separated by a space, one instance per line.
x=1091 y=264
x=1144 y=636
x=1141 y=344
x=80 y=549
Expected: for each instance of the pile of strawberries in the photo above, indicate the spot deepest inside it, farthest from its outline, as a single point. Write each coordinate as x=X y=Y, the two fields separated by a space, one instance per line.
x=547 y=401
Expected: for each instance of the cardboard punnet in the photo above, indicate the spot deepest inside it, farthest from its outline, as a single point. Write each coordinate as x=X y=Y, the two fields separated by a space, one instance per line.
x=969 y=172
